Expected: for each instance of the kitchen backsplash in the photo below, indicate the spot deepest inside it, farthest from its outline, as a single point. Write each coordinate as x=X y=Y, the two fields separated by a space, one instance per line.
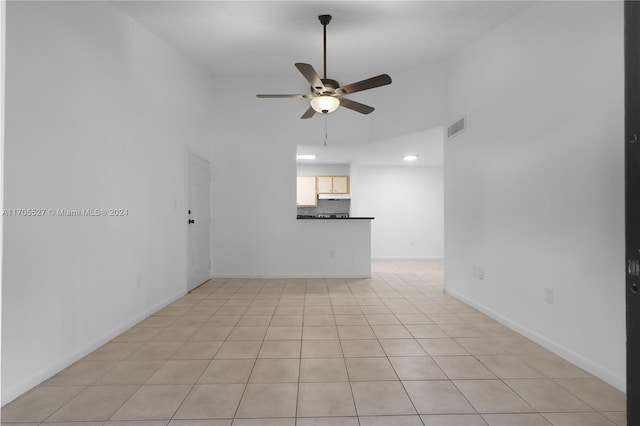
x=326 y=206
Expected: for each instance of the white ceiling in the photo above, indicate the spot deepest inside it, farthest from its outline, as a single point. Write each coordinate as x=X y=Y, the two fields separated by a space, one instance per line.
x=365 y=38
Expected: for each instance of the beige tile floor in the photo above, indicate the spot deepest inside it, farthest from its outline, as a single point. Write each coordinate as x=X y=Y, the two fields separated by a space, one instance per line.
x=392 y=350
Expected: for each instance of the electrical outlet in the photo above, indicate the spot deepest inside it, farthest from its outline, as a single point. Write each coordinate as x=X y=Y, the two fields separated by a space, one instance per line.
x=332 y=253
x=474 y=270
x=549 y=296
x=481 y=273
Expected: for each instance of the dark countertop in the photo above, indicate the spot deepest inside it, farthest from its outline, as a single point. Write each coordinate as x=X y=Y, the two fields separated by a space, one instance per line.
x=334 y=218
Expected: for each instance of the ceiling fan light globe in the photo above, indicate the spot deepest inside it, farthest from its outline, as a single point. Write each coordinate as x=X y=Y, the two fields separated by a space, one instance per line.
x=325 y=104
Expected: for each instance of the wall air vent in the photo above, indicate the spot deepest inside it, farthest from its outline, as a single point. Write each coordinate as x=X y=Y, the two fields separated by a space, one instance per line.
x=457 y=128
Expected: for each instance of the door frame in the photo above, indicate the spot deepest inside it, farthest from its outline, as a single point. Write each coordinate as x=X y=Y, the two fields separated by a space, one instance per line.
x=632 y=204
x=190 y=150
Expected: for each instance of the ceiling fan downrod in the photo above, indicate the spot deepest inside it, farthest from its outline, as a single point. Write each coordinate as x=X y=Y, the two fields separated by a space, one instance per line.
x=324 y=20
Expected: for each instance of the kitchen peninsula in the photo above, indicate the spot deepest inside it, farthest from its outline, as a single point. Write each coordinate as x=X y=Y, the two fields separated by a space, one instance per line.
x=320 y=217
x=336 y=247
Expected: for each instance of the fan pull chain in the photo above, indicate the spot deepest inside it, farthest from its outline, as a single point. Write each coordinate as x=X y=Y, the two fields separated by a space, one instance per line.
x=326 y=118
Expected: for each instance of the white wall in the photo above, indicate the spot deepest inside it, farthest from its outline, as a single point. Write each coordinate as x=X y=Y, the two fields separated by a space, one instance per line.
x=534 y=188
x=408 y=205
x=99 y=114
x=413 y=104
x=323 y=169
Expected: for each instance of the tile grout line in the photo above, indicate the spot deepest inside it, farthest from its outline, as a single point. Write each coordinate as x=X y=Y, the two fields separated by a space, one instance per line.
x=208 y=364
x=295 y=421
x=235 y=414
x=396 y=372
x=344 y=362
x=196 y=381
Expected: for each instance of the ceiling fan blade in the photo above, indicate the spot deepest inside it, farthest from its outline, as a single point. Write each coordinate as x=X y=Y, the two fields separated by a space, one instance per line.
x=309 y=113
x=370 y=83
x=356 y=106
x=312 y=76
x=306 y=96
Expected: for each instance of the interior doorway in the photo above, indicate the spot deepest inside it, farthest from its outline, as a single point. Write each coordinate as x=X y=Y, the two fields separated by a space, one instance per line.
x=198 y=221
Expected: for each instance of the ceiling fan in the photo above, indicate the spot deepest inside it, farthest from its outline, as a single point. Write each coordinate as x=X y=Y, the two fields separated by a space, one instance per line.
x=327 y=94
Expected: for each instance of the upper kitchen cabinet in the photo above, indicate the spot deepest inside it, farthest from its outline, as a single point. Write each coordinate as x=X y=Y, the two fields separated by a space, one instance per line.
x=333 y=184
x=341 y=184
x=325 y=184
x=306 y=191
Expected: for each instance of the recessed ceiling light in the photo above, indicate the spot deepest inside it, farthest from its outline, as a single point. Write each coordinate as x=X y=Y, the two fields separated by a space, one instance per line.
x=410 y=157
x=306 y=156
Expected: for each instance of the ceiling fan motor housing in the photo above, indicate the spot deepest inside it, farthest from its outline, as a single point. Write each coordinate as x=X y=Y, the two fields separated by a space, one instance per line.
x=330 y=86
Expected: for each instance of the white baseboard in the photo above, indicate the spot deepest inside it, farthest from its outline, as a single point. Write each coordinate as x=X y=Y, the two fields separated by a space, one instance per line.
x=40 y=376
x=289 y=276
x=407 y=257
x=597 y=370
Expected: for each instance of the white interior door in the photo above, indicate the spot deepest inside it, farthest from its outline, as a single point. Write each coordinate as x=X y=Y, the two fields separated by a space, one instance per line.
x=199 y=221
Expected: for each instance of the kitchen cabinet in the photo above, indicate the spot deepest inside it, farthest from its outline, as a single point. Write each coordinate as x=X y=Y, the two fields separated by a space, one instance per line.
x=341 y=184
x=306 y=191
x=333 y=184
x=325 y=184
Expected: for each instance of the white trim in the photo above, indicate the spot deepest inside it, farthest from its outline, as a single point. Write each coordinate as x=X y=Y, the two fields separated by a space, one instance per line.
x=3 y=38
x=38 y=377
x=597 y=370
x=197 y=153
x=407 y=257
x=185 y=216
x=288 y=276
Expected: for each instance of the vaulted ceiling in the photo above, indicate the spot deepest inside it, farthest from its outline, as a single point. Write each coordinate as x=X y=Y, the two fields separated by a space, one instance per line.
x=263 y=39
x=365 y=38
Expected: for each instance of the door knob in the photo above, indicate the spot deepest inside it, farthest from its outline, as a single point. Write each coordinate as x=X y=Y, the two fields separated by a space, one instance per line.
x=191 y=221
